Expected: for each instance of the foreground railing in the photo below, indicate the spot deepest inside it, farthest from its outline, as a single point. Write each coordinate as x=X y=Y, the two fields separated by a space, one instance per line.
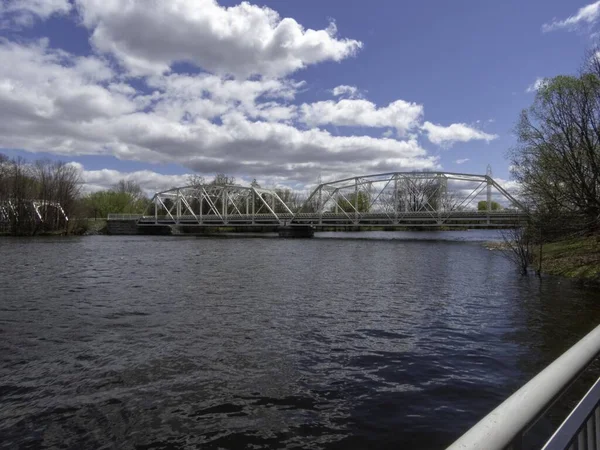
x=505 y=426
x=581 y=430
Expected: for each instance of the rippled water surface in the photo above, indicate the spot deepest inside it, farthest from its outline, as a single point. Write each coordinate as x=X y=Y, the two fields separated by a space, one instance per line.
x=401 y=340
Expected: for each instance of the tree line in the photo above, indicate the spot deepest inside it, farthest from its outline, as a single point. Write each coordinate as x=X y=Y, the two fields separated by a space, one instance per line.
x=36 y=196
x=46 y=196
x=557 y=161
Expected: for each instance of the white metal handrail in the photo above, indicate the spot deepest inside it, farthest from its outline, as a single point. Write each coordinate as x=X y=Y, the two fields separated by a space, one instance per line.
x=505 y=425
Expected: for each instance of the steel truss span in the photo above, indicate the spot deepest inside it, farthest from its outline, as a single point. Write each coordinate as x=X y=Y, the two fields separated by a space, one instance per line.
x=217 y=205
x=398 y=199
x=38 y=211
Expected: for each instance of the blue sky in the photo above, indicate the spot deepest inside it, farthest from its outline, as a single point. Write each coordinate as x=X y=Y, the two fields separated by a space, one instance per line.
x=153 y=91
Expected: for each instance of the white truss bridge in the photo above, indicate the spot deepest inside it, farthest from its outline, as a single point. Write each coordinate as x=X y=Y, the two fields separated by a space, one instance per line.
x=398 y=199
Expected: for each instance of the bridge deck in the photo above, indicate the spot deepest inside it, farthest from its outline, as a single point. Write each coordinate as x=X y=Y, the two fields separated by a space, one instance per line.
x=408 y=219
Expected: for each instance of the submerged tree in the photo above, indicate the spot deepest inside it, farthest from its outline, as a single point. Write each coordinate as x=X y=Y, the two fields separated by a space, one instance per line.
x=518 y=247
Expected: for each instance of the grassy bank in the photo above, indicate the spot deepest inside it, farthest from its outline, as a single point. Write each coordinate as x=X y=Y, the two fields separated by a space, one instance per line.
x=573 y=258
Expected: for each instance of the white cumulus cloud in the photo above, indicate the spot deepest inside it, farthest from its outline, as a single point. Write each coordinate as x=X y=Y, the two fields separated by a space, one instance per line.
x=24 y=13
x=345 y=90
x=401 y=115
x=149 y=181
x=52 y=101
x=241 y=40
x=220 y=118
x=587 y=15
x=462 y=161
x=40 y=8
x=457 y=132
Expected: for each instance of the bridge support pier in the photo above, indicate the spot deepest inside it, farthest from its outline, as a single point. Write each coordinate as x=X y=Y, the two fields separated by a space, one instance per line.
x=296 y=231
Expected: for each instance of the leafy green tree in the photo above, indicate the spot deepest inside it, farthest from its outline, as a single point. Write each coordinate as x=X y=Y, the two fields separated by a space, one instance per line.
x=351 y=203
x=482 y=206
x=557 y=159
x=126 y=197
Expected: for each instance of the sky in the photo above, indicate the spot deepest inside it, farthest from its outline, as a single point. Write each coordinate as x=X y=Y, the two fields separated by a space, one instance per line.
x=284 y=92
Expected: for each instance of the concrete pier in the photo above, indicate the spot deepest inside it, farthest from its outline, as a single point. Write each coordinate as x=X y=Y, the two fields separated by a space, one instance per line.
x=296 y=231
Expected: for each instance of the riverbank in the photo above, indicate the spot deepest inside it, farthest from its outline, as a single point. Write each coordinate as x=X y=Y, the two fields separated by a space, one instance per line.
x=574 y=258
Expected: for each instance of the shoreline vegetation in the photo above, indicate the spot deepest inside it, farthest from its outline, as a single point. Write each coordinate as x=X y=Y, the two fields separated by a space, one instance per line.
x=556 y=162
x=575 y=258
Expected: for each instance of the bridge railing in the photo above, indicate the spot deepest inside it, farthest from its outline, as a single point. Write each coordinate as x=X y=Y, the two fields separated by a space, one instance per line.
x=125 y=216
x=505 y=426
x=470 y=213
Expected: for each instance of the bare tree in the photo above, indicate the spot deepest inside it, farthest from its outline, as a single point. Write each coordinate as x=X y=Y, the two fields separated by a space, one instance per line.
x=221 y=179
x=133 y=189
x=518 y=247
x=35 y=195
x=196 y=180
x=420 y=193
x=289 y=197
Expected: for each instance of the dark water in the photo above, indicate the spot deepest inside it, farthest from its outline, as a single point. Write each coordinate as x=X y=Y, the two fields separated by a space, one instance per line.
x=170 y=343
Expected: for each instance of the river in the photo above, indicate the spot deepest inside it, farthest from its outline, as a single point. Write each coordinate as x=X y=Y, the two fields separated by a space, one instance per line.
x=347 y=340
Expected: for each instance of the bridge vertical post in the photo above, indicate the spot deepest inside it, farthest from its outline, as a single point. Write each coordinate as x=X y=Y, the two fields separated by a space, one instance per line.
x=178 y=218
x=319 y=206
x=253 y=205
x=488 y=177
x=224 y=204
x=356 y=200
x=273 y=202
x=201 y=205
x=443 y=197
x=247 y=205
x=156 y=209
x=396 y=199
